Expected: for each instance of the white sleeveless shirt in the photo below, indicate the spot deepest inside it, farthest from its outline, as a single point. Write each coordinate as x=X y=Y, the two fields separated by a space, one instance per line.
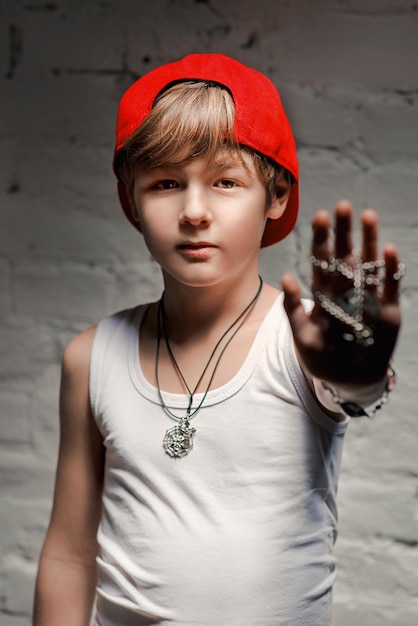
x=240 y=531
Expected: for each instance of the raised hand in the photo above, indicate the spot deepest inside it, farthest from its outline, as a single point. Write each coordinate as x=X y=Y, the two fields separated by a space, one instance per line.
x=350 y=334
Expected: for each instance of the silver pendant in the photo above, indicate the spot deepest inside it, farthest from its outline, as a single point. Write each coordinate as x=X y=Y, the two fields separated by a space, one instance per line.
x=178 y=440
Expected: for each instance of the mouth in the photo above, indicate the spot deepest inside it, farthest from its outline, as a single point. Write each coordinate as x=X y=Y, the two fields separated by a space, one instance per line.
x=198 y=250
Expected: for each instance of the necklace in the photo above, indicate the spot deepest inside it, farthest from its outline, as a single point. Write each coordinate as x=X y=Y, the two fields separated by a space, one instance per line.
x=356 y=309
x=178 y=440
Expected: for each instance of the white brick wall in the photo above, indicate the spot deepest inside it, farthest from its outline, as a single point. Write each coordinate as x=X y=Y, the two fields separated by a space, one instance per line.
x=347 y=70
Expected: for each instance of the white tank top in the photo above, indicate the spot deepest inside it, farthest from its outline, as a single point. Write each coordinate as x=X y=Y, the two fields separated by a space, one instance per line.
x=240 y=531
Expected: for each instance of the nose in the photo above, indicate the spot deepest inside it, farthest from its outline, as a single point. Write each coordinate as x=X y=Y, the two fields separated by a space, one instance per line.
x=195 y=209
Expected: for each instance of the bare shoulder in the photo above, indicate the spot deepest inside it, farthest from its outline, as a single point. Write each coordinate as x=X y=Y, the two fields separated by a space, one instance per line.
x=80 y=460
x=67 y=563
x=75 y=410
x=77 y=354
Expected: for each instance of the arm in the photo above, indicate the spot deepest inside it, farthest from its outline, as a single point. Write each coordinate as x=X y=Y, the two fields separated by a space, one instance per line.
x=67 y=570
x=328 y=348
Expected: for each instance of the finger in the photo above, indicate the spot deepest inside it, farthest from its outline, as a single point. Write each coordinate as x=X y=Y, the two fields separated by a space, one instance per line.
x=343 y=231
x=369 y=221
x=394 y=271
x=321 y=250
x=321 y=224
x=293 y=305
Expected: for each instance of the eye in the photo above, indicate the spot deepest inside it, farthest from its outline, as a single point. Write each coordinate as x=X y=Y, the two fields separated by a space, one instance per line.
x=165 y=185
x=226 y=183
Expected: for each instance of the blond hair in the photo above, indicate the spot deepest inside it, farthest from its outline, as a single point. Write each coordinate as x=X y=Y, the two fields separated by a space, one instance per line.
x=190 y=119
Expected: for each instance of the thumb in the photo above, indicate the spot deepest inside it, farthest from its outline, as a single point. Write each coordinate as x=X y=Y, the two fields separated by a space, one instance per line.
x=292 y=303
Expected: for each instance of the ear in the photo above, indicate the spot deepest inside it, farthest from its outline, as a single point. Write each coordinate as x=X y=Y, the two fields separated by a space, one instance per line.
x=128 y=203
x=133 y=207
x=279 y=202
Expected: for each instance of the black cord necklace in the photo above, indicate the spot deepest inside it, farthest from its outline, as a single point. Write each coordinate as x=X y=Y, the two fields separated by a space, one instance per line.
x=178 y=440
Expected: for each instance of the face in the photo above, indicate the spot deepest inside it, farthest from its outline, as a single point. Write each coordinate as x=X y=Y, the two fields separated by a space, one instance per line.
x=203 y=222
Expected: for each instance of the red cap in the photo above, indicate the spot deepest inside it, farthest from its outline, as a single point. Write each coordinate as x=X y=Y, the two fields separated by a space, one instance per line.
x=260 y=120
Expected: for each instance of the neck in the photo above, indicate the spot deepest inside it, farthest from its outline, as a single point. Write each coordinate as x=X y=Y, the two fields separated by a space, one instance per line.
x=227 y=336
x=191 y=309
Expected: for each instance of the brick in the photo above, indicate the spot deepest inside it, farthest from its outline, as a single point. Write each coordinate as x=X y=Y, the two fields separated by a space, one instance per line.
x=359 y=7
x=406 y=352
x=379 y=506
x=332 y=108
x=387 y=570
x=14 y=620
x=206 y=28
x=64 y=21
x=26 y=347
x=386 y=125
x=398 y=202
x=67 y=235
x=14 y=408
x=359 y=49
x=375 y=613
x=23 y=524
x=17 y=588
x=327 y=176
x=5 y=288
x=45 y=415
x=275 y=260
x=65 y=292
x=386 y=445
x=134 y=283
x=26 y=476
x=68 y=107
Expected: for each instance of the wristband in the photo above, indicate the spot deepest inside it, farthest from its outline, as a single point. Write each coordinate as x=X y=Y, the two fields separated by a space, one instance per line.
x=355 y=401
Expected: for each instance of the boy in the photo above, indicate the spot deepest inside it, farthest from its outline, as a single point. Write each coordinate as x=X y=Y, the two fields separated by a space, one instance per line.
x=200 y=435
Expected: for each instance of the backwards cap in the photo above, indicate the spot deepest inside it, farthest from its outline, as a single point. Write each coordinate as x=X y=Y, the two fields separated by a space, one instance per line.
x=260 y=120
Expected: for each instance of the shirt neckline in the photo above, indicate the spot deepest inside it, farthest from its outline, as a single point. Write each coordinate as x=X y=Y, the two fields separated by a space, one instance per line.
x=214 y=396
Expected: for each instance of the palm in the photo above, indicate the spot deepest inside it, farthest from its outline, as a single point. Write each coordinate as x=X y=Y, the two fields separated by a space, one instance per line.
x=330 y=344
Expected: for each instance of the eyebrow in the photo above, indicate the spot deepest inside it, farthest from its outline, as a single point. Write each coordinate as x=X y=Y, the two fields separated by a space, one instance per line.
x=224 y=163
x=218 y=163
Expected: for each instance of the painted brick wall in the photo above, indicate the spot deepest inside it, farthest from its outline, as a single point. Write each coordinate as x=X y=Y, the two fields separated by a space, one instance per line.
x=347 y=70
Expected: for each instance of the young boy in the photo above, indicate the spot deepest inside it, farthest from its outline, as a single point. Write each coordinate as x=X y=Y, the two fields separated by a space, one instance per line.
x=201 y=435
